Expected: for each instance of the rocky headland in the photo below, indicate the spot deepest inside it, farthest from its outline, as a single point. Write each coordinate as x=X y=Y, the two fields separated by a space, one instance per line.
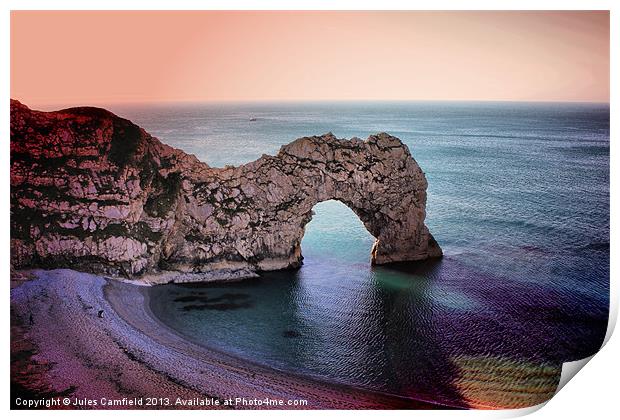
x=94 y=192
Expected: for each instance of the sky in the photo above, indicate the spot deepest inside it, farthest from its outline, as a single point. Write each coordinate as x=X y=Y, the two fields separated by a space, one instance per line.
x=98 y=57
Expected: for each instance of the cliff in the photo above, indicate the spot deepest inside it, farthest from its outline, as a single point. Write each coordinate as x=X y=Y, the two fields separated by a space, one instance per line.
x=94 y=192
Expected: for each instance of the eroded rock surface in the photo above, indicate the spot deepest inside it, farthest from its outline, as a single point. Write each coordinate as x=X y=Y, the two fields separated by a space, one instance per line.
x=94 y=192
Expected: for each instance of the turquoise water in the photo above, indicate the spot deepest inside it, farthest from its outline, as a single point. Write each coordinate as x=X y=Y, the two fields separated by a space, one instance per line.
x=518 y=199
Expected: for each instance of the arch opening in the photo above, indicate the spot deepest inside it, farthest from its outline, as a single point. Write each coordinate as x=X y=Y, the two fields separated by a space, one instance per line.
x=336 y=232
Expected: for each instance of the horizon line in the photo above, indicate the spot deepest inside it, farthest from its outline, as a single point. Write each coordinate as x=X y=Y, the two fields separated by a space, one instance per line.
x=72 y=104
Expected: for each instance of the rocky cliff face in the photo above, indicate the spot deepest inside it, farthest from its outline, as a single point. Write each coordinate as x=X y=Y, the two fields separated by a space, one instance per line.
x=94 y=192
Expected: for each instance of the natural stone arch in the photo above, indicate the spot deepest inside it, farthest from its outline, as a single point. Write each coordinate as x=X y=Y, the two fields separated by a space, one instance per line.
x=93 y=191
x=377 y=179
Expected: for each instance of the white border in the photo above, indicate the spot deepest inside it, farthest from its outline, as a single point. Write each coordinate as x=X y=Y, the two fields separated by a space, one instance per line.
x=593 y=394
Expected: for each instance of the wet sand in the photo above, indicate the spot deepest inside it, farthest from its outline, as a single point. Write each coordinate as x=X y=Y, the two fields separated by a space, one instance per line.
x=62 y=346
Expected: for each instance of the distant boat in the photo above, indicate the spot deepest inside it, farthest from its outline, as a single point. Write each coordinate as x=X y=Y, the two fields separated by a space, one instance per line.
x=253 y=119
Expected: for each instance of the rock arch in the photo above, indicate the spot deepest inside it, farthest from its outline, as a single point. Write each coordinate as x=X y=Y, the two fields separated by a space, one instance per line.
x=377 y=179
x=92 y=191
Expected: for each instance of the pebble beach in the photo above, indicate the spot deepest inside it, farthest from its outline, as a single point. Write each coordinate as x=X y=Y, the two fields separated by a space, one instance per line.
x=84 y=341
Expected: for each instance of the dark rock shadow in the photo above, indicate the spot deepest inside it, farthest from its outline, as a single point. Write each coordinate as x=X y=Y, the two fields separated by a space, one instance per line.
x=224 y=302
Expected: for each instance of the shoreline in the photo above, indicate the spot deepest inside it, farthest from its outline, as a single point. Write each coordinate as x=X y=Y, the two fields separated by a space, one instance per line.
x=129 y=353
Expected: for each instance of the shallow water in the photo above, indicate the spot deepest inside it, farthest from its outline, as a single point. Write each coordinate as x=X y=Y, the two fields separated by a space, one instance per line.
x=518 y=199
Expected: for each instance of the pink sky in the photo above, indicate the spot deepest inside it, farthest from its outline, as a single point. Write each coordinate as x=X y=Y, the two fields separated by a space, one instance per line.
x=99 y=57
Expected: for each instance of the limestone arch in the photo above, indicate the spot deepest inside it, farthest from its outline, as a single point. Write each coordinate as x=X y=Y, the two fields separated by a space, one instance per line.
x=377 y=179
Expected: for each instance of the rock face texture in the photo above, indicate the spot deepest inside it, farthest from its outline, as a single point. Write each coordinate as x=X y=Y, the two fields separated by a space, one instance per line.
x=94 y=192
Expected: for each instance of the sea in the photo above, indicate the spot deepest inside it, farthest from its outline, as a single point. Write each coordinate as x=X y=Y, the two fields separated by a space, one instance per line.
x=518 y=199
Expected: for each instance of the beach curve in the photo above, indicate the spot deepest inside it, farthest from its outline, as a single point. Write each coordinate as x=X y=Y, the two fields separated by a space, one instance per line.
x=125 y=352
